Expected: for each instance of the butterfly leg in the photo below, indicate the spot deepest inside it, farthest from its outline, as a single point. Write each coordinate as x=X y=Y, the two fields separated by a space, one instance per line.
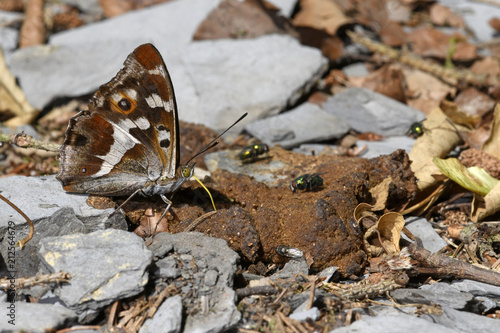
x=123 y=204
x=169 y=204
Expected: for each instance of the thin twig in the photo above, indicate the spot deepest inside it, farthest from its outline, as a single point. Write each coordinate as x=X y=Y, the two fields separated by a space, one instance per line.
x=26 y=239
x=450 y=76
x=441 y=265
x=24 y=140
x=36 y=280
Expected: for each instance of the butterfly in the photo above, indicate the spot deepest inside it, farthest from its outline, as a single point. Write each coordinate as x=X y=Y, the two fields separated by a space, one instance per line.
x=127 y=142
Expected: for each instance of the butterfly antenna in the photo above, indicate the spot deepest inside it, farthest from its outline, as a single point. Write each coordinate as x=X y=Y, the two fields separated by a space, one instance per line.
x=215 y=141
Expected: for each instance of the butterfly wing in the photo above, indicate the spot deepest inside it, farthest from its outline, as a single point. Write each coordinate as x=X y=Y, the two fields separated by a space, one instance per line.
x=129 y=137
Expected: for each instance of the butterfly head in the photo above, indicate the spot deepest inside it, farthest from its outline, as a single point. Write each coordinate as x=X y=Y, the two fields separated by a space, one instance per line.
x=187 y=171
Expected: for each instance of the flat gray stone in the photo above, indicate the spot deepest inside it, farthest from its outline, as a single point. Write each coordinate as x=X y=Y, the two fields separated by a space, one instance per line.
x=368 y=111
x=309 y=148
x=286 y=6
x=386 y=146
x=294 y=267
x=311 y=314
x=265 y=171
x=35 y=317
x=477 y=288
x=204 y=73
x=211 y=256
x=421 y=228
x=306 y=123
x=462 y=321
x=40 y=197
x=167 y=319
x=356 y=69
x=442 y=294
x=476 y=16
x=104 y=265
x=8 y=40
x=261 y=76
x=94 y=53
x=393 y=323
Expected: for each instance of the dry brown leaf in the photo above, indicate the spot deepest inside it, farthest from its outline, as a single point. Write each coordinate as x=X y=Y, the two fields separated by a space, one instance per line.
x=492 y=144
x=113 y=8
x=384 y=236
x=428 y=91
x=236 y=19
x=483 y=207
x=487 y=66
x=443 y=16
x=363 y=209
x=320 y=14
x=495 y=23
x=12 y=99
x=438 y=139
x=12 y=5
x=330 y=46
x=392 y=34
x=458 y=116
x=33 y=29
x=474 y=102
x=380 y=193
x=390 y=226
x=430 y=42
x=387 y=80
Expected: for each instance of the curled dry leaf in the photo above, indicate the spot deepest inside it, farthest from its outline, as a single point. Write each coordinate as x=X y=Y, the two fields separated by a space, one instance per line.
x=380 y=193
x=458 y=116
x=320 y=14
x=33 y=28
x=384 y=236
x=492 y=144
x=427 y=90
x=474 y=179
x=483 y=207
x=486 y=189
x=12 y=99
x=362 y=210
x=390 y=226
x=439 y=138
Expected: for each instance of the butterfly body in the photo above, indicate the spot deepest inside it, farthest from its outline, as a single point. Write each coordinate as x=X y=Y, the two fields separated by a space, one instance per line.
x=127 y=142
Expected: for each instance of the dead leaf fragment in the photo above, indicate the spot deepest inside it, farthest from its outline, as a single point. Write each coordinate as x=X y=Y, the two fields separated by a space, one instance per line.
x=492 y=144
x=390 y=226
x=33 y=29
x=474 y=179
x=380 y=193
x=483 y=207
x=389 y=81
x=320 y=14
x=429 y=91
x=12 y=99
x=443 y=16
x=113 y=8
x=240 y=19
x=430 y=42
x=475 y=103
x=385 y=235
x=495 y=23
x=438 y=139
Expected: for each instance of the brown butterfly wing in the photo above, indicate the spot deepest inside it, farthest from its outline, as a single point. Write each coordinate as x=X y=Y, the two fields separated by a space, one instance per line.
x=129 y=137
